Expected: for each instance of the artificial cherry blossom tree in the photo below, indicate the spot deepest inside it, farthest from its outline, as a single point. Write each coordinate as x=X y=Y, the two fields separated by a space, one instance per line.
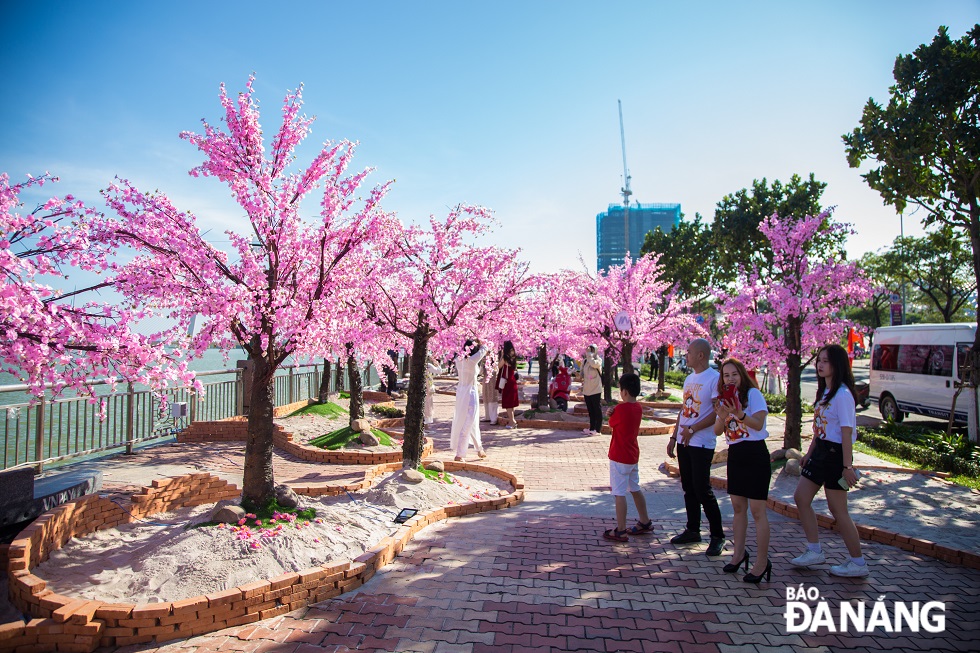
x=655 y=314
x=436 y=288
x=273 y=294
x=55 y=340
x=781 y=320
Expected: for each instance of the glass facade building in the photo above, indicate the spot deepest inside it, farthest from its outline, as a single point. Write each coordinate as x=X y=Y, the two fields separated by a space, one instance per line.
x=610 y=230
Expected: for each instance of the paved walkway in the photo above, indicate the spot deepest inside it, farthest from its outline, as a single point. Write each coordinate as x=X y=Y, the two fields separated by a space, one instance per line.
x=539 y=577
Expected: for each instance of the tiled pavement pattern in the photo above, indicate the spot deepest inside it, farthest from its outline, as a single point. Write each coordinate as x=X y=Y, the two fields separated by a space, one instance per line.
x=540 y=578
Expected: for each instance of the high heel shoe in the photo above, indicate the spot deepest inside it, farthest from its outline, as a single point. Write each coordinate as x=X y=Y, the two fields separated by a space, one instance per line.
x=752 y=578
x=732 y=568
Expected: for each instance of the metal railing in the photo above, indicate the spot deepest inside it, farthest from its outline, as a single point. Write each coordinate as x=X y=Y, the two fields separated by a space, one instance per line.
x=70 y=427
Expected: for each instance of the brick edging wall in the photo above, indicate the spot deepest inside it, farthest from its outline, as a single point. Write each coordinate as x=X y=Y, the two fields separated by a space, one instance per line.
x=66 y=624
x=577 y=426
x=237 y=431
x=870 y=533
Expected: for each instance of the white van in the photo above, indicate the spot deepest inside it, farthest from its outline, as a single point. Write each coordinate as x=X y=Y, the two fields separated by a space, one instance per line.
x=914 y=369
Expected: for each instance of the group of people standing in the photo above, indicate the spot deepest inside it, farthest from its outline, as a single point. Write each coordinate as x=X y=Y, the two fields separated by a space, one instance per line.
x=728 y=402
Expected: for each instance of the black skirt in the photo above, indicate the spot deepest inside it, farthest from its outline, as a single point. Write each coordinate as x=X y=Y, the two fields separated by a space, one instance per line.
x=749 y=471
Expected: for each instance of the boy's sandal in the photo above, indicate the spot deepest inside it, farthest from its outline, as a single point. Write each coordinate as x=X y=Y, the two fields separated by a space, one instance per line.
x=616 y=535
x=642 y=529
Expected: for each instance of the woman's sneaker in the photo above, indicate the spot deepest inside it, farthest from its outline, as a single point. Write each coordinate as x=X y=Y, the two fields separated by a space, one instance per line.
x=849 y=569
x=808 y=559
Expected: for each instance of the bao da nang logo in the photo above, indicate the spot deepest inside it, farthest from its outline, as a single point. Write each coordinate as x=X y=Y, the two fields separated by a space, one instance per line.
x=806 y=612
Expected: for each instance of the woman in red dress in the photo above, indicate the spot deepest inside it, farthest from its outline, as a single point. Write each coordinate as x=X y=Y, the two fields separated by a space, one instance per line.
x=508 y=372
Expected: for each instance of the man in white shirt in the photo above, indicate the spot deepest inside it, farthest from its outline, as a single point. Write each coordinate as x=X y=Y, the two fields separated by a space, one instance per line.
x=695 y=436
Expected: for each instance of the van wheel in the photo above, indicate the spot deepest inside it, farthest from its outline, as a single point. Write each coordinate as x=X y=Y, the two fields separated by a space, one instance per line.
x=889 y=409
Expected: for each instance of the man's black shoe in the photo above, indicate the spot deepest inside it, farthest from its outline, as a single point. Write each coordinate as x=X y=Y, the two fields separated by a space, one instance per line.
x=687 y=537
x=715 y=547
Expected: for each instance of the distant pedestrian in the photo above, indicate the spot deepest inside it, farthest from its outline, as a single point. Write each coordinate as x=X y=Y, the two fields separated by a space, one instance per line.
x=829 y=462
x=507 y=383
x=654 y=364
x=592 y=389
x=432 y=370
x=741 y=416
x=695 y=440
x=466 y=419
x=624 y=458
x=490 y=394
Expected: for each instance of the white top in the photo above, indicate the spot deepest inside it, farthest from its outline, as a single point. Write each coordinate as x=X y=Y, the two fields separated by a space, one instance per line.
x=830 y=418
x=736 y=431
x=466 y=366
x=699 y=391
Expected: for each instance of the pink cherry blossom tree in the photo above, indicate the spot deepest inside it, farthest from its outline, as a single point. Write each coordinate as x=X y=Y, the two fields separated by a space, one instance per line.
x=55 y=340
x=782 y=318
x=656 y=315
x=436 y=288
x=272 y=294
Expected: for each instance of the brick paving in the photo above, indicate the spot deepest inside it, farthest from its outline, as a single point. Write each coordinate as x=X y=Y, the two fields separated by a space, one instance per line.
x=540 y=578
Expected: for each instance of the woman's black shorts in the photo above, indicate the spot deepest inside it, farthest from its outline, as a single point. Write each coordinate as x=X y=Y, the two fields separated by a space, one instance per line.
x=826 y=465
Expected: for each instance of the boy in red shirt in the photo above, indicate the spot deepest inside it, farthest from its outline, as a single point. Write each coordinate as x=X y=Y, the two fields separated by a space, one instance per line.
x=624 y=456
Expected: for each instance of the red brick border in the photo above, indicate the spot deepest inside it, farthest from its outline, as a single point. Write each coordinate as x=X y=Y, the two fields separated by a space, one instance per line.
x=236 y=430
x=66 y=624
x=870 y=533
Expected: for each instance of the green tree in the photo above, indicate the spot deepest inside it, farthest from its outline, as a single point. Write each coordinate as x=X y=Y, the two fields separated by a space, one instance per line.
x=736 y=239
x=874 y=313
x=926 y=141
x=940 y=267
x=686 y=257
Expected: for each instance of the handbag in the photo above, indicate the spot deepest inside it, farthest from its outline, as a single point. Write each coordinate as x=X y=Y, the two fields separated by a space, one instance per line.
x=501 y=381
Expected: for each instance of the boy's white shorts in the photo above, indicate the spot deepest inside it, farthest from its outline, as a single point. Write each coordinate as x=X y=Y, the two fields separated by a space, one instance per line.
x=623 y=478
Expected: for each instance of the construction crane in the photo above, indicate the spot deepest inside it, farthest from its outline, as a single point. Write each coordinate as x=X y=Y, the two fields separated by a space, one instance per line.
x=625 y=190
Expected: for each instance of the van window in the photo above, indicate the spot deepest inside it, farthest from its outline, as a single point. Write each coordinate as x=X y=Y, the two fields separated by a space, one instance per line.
x=932 y=360
x=963 y=358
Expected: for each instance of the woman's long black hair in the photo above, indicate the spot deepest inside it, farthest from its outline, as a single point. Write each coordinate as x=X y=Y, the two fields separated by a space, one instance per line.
x=837 y=357
x=510 y=354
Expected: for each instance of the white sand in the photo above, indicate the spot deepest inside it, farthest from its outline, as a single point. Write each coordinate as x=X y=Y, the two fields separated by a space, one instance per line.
x=145 y=563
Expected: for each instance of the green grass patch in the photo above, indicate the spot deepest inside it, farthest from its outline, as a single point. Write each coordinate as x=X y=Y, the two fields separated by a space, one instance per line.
x=922 y=447
x=343 y=436
x=328 y=409
x=668 y=397
x=434 y=475
x=344 y=394
x=262 y=516
x=387 y=411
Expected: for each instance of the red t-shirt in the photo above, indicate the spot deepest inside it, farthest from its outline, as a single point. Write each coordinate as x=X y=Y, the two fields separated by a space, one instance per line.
x=625 y=425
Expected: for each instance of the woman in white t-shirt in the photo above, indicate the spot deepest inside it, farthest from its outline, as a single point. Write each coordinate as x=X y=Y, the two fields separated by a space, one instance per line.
x=829 y=462
x=740 y=415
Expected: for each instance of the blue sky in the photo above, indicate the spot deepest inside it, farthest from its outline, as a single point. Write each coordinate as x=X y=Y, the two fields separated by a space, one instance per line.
x=507 y=104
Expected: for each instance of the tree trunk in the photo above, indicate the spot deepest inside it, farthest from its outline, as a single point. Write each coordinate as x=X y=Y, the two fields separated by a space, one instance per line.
x=607 y=374
x=543 y=377
x=259 y=485
x=662 y=378
x=973 y=424
x=414 y=409
x=339 y=377
x=626 y=358
x=354 y=378
x=323 y=396
x=792 y=434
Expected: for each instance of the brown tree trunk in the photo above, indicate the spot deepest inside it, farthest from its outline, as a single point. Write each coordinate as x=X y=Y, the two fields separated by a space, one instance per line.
x=608 y=370
x=356 y=390
x=662 y=376
x=339 y=377
x=626 y=358
x=792 y=434
x=259 y=485
x=323 y=396
x=415 y=406
x=543 y=377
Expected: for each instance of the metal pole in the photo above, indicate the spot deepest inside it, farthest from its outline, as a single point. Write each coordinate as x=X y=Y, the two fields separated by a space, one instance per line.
x=901 y=223
x=39 y=436
x=130 y=416
x=292 y=382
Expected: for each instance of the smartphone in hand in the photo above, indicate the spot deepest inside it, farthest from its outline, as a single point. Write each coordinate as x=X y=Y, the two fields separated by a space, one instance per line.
x=843 y=483
x=730 y=396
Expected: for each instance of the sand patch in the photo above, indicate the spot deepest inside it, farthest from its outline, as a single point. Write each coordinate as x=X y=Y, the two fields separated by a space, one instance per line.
x=159 y=560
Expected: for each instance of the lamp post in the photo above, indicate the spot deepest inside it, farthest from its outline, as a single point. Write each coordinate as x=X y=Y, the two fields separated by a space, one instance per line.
x=901 y=226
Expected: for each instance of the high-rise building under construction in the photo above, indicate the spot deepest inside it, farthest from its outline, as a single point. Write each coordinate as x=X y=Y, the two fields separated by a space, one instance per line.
x=611 y=229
